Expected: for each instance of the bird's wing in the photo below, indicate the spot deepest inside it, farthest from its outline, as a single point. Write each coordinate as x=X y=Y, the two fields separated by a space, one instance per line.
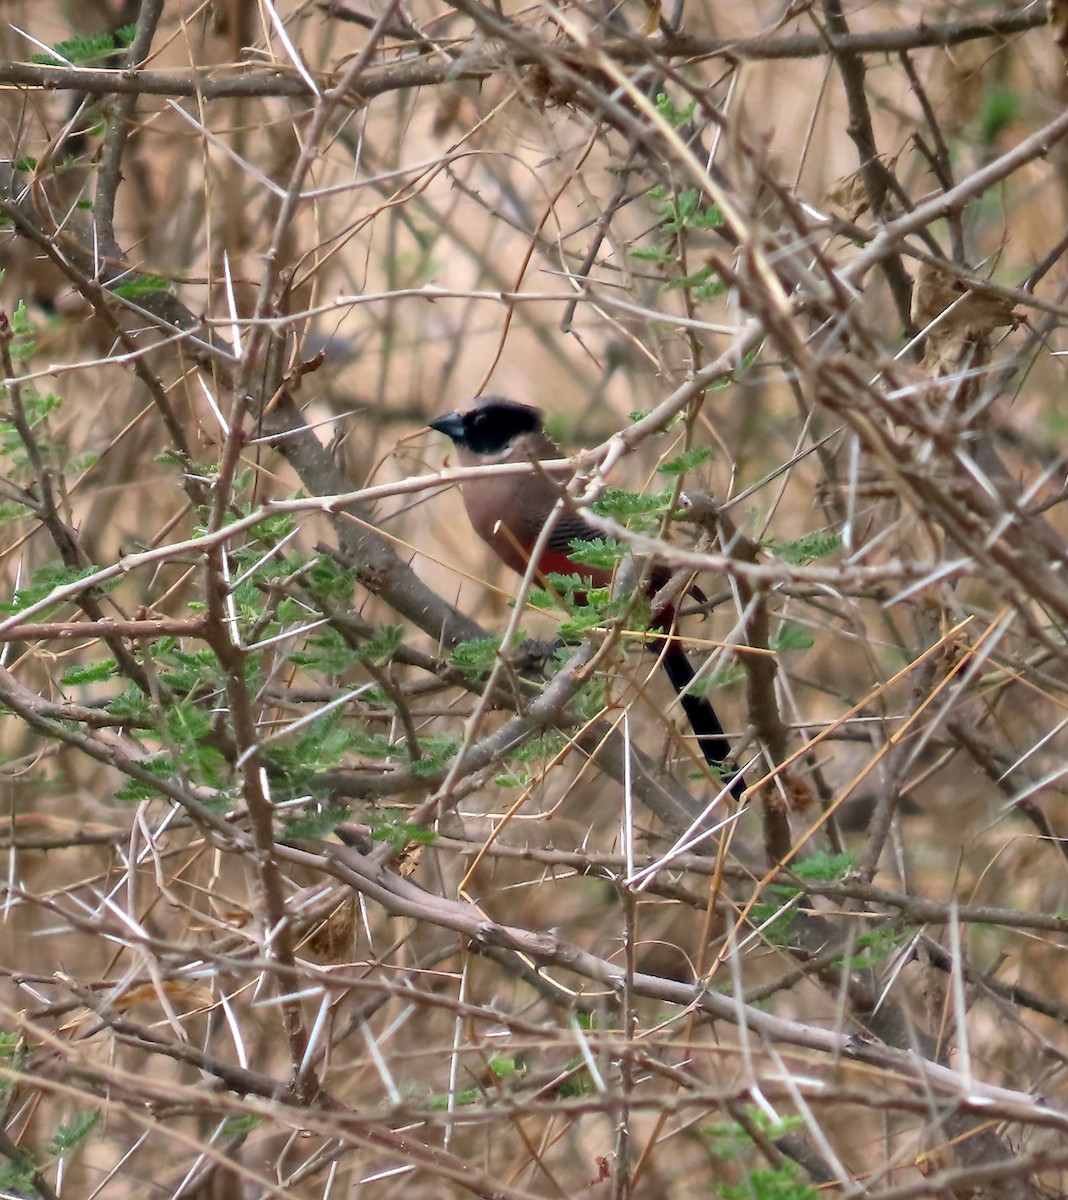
x=570 y=527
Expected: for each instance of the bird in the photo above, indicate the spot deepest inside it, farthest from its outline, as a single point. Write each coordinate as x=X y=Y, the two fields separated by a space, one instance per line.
x=508 y=513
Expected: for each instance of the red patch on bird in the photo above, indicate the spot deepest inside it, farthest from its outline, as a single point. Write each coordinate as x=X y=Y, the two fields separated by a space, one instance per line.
x=556 y=562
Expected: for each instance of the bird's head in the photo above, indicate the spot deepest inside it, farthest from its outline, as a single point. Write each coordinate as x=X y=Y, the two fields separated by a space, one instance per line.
x=491 y=427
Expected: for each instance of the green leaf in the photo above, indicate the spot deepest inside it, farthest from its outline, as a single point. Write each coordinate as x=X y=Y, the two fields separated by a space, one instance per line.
x=709 y=291
x=685 y=282
x=823 y=867
x=569 y=586
x=709 y=217
x=505 y=1068
x=17 y=1176
x=590 y=701
x=92 y=673
x=290 y=611
x=239 y=1126
x=461 y=1099
x=381 y=648
x=135 y=790
x=320 y=824
x=578 y=1084
x=689 y=460
x=581 y=622
x=476 y=657
x=84 y=461
x=726 y=676
x=730 y=1138
x=546 y=745
x=600 y=554
x=812 y=546
x=327 y=579
x=1001 y=106
x=186 y=724
x=78 y=51
x=44 y=581
x=401 y=833
x=436 y=752
x=654 y=254
x=132 y=704
x=792 y=636
x=142 y=285
x=21 y=325
x=779 y=920
x=321 y=746
x=69 y=1137
x=674 y=116
x=513 y=779
x=44 y=406
x=328 y=652
x=621 y=505
x=540 y=598
x=557 y=427
x=737 y=373
x=575 y=593
x=875 y=947
x=686 y=210
x=374 y=745
x=184 y=672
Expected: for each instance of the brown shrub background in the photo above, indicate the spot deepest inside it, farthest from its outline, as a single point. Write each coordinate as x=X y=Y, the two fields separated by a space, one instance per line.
x=253 y=1014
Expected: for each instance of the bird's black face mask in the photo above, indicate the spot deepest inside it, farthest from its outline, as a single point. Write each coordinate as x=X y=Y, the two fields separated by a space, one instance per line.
x=489 y=428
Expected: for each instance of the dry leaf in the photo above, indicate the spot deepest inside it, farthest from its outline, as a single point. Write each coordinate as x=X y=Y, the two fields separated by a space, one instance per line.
x=192 y=997
x=653 y=17
x=967 y=72
x=973 y=316
x=236 y=916
x=409 y=860
x=333 y=939
x=801 y=795
x=847 y=198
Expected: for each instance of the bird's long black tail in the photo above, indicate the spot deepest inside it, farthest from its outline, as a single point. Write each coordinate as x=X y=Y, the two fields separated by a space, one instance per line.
x=711 y=739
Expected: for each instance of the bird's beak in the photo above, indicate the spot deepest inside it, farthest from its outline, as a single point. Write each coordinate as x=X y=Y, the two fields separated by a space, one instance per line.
x=451 y=425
